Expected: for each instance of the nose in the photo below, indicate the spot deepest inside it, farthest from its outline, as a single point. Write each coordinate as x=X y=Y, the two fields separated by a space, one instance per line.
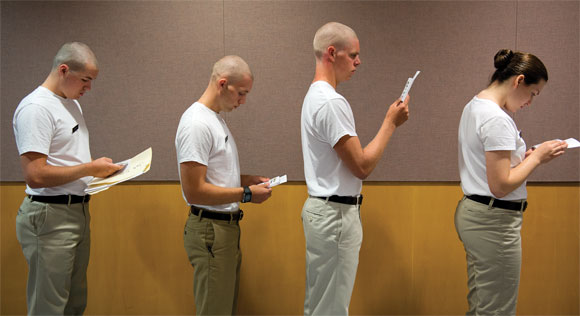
x=88 y=86
x=357 y=61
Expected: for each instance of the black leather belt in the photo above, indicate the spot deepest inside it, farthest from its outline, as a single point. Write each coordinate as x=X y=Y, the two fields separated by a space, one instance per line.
x=351 y=200
x=216 y=215
x=60 y=199
x=509 y=205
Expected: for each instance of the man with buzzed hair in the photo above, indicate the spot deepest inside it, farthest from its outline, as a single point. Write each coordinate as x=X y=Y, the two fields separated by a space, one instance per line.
x=53 y=221
x=213 y=187
x=335 y=164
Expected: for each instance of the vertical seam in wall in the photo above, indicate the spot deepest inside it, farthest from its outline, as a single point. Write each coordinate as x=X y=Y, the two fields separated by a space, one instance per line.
x=224 y=25
x=516 y=45
x=413 y=240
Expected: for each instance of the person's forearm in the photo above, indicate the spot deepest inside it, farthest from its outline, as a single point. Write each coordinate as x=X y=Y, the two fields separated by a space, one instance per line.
x=503 y=184
x=374 y=150
x=52 y=176
x=209 y=194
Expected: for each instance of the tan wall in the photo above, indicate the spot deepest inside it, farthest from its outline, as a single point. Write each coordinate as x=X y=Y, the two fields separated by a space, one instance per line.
x=411 y=261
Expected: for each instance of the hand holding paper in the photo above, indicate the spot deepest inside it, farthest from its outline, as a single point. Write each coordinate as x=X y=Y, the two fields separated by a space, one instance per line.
x=547 y=151
x=572 y=143
x=276 y=181
x=132 y=168
x=408 y=86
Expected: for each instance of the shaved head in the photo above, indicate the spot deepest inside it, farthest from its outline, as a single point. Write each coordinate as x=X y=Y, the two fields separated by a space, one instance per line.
x=232 y=67
x=332 y=34
x=75 y=55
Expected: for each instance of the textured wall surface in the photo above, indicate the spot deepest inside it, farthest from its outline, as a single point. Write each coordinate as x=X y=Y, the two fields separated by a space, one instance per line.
x=156 y=57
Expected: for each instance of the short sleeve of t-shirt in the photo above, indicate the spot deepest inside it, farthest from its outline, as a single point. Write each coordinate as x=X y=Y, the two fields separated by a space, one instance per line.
x=34 y=130
x=194 y=143
x=335 y=120
x=498 y=133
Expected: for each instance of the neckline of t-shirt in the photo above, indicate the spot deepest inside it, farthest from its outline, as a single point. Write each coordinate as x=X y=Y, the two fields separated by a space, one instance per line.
x=206 y=108
x=322 y=82
x=53 y=94
x=488 y=101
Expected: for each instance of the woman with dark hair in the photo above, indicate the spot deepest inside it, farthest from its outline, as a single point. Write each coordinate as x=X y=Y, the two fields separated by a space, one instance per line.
x=493 y=166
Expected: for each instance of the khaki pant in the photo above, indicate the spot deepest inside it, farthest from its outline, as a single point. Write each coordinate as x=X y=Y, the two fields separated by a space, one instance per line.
x=491 y=237
x=56 y=242
x=213 y=249
x=333 y=234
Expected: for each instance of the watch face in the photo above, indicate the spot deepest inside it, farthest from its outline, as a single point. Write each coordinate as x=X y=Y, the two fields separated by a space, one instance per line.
x=247 y=195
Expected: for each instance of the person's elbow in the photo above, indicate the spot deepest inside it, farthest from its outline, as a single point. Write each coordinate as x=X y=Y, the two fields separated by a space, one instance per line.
x=498 y=190
x=195 y=194
x=361 y=172
x=34 y=181
x=193 y=197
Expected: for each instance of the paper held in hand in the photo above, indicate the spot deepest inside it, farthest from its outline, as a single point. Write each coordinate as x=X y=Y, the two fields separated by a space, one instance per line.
x=277 y=180
x=572 y=143
x=132 y=168
x=408 y=86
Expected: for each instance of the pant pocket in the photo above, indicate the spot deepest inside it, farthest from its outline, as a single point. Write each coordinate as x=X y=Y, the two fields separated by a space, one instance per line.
x=198 y=237
x=33 y=215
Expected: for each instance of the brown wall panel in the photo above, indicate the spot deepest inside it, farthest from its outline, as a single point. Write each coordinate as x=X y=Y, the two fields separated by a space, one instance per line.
x=411 y=261
x=155 y=59
x=551 y=30
x=442 y=39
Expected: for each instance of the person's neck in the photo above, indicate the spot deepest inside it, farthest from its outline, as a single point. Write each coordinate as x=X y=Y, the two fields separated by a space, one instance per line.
x=52 y=83
x=209 y=98
x=496 y=93
x=325 y=72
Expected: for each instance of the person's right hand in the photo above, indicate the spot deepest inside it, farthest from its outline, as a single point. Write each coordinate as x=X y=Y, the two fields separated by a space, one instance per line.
x=260 y=192
x=104 y=167
x=549 y=150
x=398 y=112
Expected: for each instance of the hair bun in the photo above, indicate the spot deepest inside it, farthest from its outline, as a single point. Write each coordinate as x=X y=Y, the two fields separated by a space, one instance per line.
x=502 y=58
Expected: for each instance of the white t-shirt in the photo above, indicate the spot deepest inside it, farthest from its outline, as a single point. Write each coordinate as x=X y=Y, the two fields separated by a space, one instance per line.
x=203 y=137
x=326 y=117
x=484 y=126
x=54 y=126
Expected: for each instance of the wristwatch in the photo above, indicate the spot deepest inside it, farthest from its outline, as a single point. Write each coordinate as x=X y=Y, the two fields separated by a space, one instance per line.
x=247 y=197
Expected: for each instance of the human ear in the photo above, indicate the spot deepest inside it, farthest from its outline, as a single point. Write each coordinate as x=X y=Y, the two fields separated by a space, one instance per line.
x=63 y=69
x=519 y=79
x=331 y=52
x=222 y=83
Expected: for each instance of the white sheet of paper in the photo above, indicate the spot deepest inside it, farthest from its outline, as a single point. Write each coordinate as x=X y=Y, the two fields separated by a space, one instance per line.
x=408 y=85
x=572 y=143
x=277 y=181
